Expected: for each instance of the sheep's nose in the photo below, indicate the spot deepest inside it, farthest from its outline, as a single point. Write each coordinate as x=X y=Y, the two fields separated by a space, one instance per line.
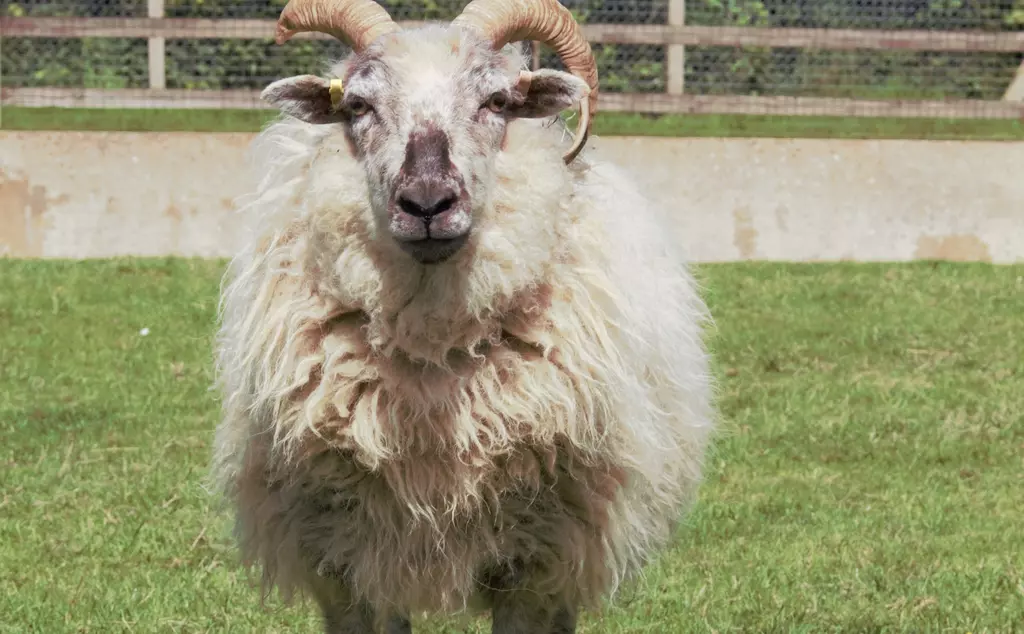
x=426 y=198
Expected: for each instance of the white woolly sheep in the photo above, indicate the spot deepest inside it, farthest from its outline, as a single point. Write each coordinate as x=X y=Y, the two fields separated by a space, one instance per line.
x=462 y=367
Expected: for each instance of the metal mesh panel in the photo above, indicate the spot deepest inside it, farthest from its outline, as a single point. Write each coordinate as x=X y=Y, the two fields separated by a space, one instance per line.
x=938 y=15
x=848 y=74
x=264 y=62
x=82 y=8
x=77 y=63
x=231 y=60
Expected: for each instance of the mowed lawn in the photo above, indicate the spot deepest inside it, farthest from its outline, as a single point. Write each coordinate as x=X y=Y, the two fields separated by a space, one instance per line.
x=869 y=476
x=605 y=124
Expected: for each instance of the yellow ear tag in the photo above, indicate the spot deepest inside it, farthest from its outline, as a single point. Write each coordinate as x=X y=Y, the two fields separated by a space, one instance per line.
x=336 y=92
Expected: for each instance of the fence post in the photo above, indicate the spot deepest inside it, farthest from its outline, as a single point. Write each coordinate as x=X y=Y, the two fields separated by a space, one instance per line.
x=676 y=54
x=157 y=57
x=1015 y=91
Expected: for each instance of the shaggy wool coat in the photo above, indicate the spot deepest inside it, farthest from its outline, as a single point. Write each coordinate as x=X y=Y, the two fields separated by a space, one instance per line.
x=539 y=402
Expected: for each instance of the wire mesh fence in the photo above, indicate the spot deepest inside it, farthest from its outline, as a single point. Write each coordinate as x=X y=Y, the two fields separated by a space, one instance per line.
x=238 y=57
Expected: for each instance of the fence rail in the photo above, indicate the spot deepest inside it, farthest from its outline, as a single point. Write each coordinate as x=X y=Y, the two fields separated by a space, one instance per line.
x=661 y=34
x=676 y=35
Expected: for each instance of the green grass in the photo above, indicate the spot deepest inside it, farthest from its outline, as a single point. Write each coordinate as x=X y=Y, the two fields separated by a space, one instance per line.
x=606 y=123
x=869 y=478
x=135 y=120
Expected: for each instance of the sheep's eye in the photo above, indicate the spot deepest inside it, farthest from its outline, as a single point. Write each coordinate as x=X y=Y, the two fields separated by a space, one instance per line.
x=496 y=102
x=358 y=106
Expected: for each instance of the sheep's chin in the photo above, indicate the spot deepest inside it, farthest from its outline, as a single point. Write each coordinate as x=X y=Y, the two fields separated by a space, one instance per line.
x=431 y=251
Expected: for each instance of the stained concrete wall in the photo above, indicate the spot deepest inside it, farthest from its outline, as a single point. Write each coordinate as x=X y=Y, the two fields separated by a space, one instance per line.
x=80 y=195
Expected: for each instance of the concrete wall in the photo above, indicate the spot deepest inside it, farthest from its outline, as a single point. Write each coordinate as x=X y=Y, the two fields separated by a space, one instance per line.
x=79 y=195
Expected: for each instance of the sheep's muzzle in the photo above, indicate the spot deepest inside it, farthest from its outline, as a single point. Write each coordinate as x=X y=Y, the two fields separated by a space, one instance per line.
x=430 y=214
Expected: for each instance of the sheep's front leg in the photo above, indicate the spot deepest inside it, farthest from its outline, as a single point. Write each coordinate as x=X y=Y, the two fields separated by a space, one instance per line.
x=564 y=622
x=343 y=616
x=346 y=619
x=340 y=618
x=398 y=625
x=523 y=612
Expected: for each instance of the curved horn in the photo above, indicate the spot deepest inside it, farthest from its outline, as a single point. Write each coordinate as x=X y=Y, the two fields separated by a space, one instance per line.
x=547 y=21
x=357 y=23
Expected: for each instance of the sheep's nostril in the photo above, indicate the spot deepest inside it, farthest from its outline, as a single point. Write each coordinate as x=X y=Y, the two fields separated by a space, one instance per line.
x=443 y=206
x=411 y=208
x=425 y=200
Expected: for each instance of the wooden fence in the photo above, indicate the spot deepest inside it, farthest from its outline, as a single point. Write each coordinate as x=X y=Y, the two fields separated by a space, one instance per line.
x=675 y=35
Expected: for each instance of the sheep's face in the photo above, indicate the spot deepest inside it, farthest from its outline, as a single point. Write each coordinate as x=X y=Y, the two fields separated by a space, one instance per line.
x=426 y=113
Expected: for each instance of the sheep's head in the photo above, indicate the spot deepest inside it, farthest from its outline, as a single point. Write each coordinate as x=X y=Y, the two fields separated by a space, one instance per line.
x=426 y=111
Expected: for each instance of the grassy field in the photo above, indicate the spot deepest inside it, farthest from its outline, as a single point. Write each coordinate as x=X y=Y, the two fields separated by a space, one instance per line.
x=870 y=477
x=606 y=123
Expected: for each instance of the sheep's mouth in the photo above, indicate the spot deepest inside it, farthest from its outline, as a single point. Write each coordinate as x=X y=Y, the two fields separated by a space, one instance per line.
x=430 y=238
x=433 y=250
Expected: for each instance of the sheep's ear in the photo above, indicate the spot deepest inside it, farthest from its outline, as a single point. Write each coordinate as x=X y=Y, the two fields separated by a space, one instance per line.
x=305 y=97
x=549 y=93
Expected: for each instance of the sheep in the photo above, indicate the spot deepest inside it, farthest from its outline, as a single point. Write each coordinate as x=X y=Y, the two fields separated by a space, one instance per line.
x=462 y=367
